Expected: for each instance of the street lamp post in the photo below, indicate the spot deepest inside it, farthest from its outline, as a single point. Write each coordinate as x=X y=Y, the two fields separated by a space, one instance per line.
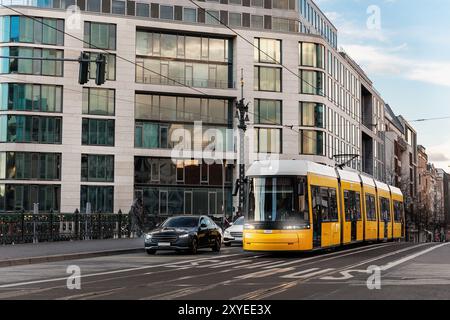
x=242 y=116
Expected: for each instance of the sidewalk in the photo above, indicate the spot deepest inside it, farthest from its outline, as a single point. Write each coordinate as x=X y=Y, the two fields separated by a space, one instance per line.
x=20 y=254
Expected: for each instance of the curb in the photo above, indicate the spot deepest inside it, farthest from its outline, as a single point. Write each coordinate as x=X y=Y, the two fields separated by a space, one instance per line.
x=63 y=257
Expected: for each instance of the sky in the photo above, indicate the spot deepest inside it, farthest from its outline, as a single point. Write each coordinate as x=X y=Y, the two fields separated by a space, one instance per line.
x=404 y=47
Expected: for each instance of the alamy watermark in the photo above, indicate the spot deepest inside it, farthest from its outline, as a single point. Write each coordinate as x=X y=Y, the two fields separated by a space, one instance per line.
x=74 y=280
x=374 y=280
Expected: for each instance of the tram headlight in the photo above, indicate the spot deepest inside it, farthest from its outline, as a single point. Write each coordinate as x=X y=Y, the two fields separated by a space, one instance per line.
x=249 y=227
x=292 y=228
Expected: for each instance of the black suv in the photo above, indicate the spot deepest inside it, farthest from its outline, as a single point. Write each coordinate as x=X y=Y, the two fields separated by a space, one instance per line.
x=184 y=233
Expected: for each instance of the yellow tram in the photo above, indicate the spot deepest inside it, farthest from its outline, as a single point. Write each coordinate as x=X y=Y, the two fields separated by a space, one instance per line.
x=297 y=205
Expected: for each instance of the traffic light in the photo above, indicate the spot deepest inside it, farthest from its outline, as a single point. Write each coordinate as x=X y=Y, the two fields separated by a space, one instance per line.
x=101 y=69
x=83 y=76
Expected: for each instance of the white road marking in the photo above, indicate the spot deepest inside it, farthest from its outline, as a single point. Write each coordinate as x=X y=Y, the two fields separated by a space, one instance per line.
x=413 y=256
x=264 y=273
x=306 y=273
x=346 y=272
x=261 y=264
x=18 y=284
x=333 y=255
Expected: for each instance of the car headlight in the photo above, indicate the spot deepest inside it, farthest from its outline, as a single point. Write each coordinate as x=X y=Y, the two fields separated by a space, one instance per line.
x=148 y=236
x=184 y=235
x=227 y=233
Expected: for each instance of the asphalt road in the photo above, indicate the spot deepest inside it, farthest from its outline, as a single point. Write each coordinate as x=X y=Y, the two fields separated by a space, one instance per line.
x=405 y=271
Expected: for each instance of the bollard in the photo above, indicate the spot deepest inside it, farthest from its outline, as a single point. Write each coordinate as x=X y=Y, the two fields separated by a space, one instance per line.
x=35 y=213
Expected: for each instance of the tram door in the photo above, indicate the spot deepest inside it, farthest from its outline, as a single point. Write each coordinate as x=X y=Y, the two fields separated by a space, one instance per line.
x=317 y=212
x=354 y=228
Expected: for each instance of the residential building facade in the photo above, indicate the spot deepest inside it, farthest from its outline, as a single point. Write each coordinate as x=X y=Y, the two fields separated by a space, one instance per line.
x=173 y=75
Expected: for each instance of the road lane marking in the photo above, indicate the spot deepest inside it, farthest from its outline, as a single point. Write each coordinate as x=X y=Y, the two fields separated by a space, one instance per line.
x=264 y=293
x=306 y=273
x=334 y=255
x=413 y=256
x=344 y=271
x=18 y=284
x=265 y=264
x=264 y=273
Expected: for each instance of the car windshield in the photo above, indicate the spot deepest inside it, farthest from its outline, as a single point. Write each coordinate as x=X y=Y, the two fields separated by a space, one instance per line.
x=239 y=222
x=181 y=222
x=280 y=199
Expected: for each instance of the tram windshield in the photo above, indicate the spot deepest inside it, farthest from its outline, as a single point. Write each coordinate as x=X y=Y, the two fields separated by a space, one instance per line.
x=280 y=199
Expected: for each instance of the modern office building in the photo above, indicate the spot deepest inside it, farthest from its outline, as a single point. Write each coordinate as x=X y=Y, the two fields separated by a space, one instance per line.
x=171 y=65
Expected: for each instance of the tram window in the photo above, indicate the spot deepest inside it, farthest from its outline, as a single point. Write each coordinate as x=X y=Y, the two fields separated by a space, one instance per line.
x=325 y=204
x=398 y=211
x=358 y=206
x=370 y=208
x=385 y=209
x=333 y=205
x=279 y=199
x=352 y=203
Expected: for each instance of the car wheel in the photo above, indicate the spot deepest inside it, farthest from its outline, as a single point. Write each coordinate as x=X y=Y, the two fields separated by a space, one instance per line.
x=217 y=244
x=151 y=252
x=194 y=246
x=227 y=244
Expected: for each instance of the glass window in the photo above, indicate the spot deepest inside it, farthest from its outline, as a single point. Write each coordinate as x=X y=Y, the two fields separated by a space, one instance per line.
x=398 y=211
x=93 y=5
x=101 y=199
x=267 y=140
x=267 y=79
x=166 y=12
x=312 y=142
x=16 y=197
x=312 y=55
x=371 y=211
x=189 y=15
x=352 y=204
x=28 y=97
x=267 y=50
x=234 y=19
x=311 y=82
x=100 y=35
x=118 y=7
x=142 y=9
x=211 y=70
x=36 y=67
x=268 y=112
x=312 y=114
x=98 y=101
x=257 y=22
x=97 y=132
x=385 y=209
x=110 y=66
x=31 y=129
x=212 y=17
x=324 y=204
x=32 y=30
x=97 y=168
x=26 y=165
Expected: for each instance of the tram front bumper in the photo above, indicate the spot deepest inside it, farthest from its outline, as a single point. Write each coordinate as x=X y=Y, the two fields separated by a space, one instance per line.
x=276 y=241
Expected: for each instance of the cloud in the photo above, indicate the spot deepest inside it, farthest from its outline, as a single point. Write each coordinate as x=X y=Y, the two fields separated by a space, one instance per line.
x=440 y=155
x=385 y=61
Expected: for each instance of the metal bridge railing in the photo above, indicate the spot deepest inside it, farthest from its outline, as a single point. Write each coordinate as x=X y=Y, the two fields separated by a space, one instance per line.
x=42 y=227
